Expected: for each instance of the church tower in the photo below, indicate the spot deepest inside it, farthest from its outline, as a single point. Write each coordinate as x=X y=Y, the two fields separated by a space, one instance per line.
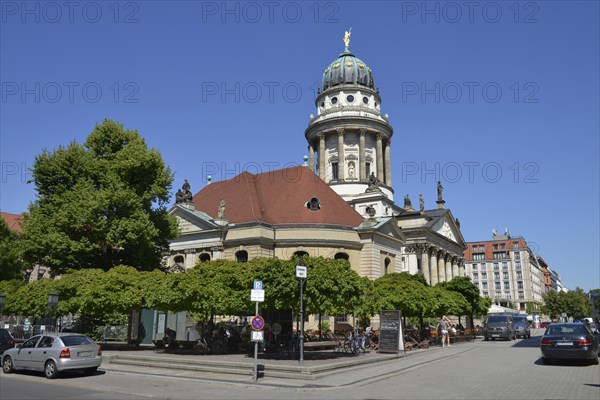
x=349 y=139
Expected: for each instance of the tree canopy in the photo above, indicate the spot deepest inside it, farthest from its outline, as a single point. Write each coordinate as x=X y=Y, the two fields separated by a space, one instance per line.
x=575 y=304
x=11 y=261
x=100 y=204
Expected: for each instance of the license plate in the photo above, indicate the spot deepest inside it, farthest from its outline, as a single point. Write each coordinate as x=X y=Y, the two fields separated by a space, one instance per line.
x=495 y=335
x=564 y=343
x=84 y=353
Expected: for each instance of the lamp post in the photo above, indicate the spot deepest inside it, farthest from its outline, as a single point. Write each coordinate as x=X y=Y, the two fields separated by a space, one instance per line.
x=2 y=303
x=52 y=302
x=301 y=275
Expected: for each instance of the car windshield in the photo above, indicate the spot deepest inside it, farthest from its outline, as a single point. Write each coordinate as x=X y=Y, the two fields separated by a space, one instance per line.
x=497 y=318
x=565 y=329
x=4 y=334
x=76 y=340
x=522 y=320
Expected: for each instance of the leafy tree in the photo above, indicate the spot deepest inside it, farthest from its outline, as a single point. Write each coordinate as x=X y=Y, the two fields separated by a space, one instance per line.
x=100 y=204
x=11 y=261
x=575 y=304
x=477 y=305
x=282 y=290
x=31 y=299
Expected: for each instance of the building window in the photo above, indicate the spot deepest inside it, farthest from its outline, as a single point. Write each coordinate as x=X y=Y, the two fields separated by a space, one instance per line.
x=516 y=245
x=241 y=256
x=502 y=246
x=505 y=275
x=475 y=276
x=350 y=98
x=474 y=267
x=482 y=266
x=484 y=275
x=519 y=285
x=496 y=267
x=386 y=265
x=334 y=171
x=313 y=204
x=300 y=254
x=484 y=285
x=519 y=275
x=479 y=256
x=521 y=295
x=496 y=275
x=341 y=256
x=486 y=294
x=497 y=285
x=517 y=255
x=204 y=257
x=518 y=264
x=507 y=285
x=341 y=318
x=498 y=255
x=505 y=265
x=368 y=169
x=507 y=295
x=334 y=100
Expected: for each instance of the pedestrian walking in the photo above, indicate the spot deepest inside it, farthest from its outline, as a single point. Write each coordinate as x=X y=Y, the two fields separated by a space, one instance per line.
x=443 y=325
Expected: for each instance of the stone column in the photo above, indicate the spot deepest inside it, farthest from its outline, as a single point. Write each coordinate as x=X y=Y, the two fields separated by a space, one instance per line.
x=461 y=267
x=448 y=262
x=322 y=156
x=388 y=164
x=425 y=263
x=441 y=266
x=189 y=259
x=362 y=155
x=311 y=155
x=433 y=266
x=379 y=158
x=455 y=267
x=341 y=156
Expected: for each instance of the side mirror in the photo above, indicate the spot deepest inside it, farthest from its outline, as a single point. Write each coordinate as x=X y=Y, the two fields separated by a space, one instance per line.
x=18 y=346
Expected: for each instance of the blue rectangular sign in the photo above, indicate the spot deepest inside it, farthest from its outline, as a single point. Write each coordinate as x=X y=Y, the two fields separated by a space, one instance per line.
x=258 y=285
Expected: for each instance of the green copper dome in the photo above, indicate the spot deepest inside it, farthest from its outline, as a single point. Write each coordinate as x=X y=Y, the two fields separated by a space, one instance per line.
x=347 y=69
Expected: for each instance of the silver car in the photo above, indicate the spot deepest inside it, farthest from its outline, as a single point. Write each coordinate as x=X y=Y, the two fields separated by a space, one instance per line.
x=53 y=353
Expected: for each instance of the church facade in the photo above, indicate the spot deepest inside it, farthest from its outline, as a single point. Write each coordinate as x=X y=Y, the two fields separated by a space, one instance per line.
x=339 y=204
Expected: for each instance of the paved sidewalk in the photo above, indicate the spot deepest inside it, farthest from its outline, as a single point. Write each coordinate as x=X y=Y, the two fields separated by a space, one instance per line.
x=320 y=369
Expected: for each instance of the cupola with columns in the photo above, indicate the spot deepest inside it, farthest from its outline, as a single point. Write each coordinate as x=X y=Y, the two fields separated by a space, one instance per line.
x=349 y=139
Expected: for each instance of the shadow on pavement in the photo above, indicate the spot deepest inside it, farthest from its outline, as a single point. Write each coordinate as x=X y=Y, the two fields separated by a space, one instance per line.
x=532 y=342
x=564 y=363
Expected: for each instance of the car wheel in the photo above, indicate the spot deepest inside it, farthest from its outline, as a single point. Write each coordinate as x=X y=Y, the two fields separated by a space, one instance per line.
x=546 y=361
x=50 y=370
x=7 y=365
x=595 y=361
x=90 y=371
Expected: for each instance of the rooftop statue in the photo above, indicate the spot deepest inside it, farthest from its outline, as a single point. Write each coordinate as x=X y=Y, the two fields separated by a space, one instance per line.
x=185 y=195
x=347 y=38
x=421 y=203
x=373 y=183
x=440 y=189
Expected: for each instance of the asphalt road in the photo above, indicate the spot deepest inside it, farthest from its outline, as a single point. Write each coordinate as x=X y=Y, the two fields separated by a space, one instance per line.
x=478 y=370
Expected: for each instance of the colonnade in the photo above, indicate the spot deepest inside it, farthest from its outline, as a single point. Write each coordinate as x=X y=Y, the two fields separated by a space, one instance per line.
x=437 y=264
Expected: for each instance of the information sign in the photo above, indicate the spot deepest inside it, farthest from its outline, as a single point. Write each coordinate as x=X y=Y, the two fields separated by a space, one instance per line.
x=390 y=337
x=257 y=295
x=300 y=271
x=257 y=336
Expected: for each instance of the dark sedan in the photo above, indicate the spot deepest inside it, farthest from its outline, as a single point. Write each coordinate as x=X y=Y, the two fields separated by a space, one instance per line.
x=6 y=340
x=569 y=341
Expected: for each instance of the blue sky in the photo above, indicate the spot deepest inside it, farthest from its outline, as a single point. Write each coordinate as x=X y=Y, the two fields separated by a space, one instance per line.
x=498 y=100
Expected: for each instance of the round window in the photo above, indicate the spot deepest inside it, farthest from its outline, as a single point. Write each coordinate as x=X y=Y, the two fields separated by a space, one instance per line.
x=333 y=100
x=323 y=104
x=350 y=99
x=366 y=100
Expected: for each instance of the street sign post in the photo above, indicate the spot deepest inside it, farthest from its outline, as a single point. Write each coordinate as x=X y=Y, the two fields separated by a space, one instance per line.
x=301 y=275
x=257 y=294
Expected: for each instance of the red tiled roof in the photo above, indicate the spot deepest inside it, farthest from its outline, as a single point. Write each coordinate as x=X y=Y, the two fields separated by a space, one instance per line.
x=13 y=221
x=277 y=198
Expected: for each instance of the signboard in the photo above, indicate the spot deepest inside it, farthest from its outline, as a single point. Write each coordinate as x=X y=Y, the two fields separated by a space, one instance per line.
x=258 y=285
x=300 y=271
x=257 y=336
x=257 y=323
x=390 y=338
x=257 y=295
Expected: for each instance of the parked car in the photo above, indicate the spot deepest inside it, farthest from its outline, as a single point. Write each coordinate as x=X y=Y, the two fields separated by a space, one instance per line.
x=574 y=341
x=53 y=353
x=6 y=340
x=522 y=326
x=499 y=327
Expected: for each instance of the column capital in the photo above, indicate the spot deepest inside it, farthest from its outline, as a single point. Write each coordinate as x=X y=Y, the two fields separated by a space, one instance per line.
x=321 y=135
x=362 y=131
x=340 y=131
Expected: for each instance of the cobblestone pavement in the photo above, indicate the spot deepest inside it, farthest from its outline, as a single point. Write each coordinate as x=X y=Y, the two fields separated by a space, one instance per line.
x=477 y=370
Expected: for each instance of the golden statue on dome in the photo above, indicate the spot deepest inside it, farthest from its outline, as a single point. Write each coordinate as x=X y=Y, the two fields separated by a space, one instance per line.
x=347 y=38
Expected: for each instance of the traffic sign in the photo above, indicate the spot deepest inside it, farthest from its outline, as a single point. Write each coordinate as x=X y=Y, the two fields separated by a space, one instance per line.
x=257 y=323
x=258 y=285
x=300 y=271
x=257 y=336
x=257 y=295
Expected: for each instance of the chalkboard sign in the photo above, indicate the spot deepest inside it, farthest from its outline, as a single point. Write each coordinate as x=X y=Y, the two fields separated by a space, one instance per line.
x=390 y=338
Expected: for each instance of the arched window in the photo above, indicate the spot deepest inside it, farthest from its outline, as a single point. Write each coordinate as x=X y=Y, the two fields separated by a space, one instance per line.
x=204 y=257
x=386 y=266
x=241 y=256
x=313 y=204
x=341 y=256
x=178 y=260
x=301 y=254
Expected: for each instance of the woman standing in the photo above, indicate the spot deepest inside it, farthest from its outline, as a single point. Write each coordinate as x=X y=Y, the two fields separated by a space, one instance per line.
x=443 y=324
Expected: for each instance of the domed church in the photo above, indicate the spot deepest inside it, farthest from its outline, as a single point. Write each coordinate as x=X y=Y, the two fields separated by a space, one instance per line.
x=339 y=204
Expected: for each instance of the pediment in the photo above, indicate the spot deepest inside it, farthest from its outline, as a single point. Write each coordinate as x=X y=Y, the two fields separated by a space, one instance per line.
x=192 y=221
x=446 y=226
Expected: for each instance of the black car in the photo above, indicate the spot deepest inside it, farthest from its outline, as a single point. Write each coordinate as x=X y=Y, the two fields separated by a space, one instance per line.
x=6 y=340
x=522 y=326
x=499 y=327
x=569 y=341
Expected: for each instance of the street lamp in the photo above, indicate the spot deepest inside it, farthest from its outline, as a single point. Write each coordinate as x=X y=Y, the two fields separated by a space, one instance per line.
x=52 y=302
x=2 y=303
x=301 y=275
